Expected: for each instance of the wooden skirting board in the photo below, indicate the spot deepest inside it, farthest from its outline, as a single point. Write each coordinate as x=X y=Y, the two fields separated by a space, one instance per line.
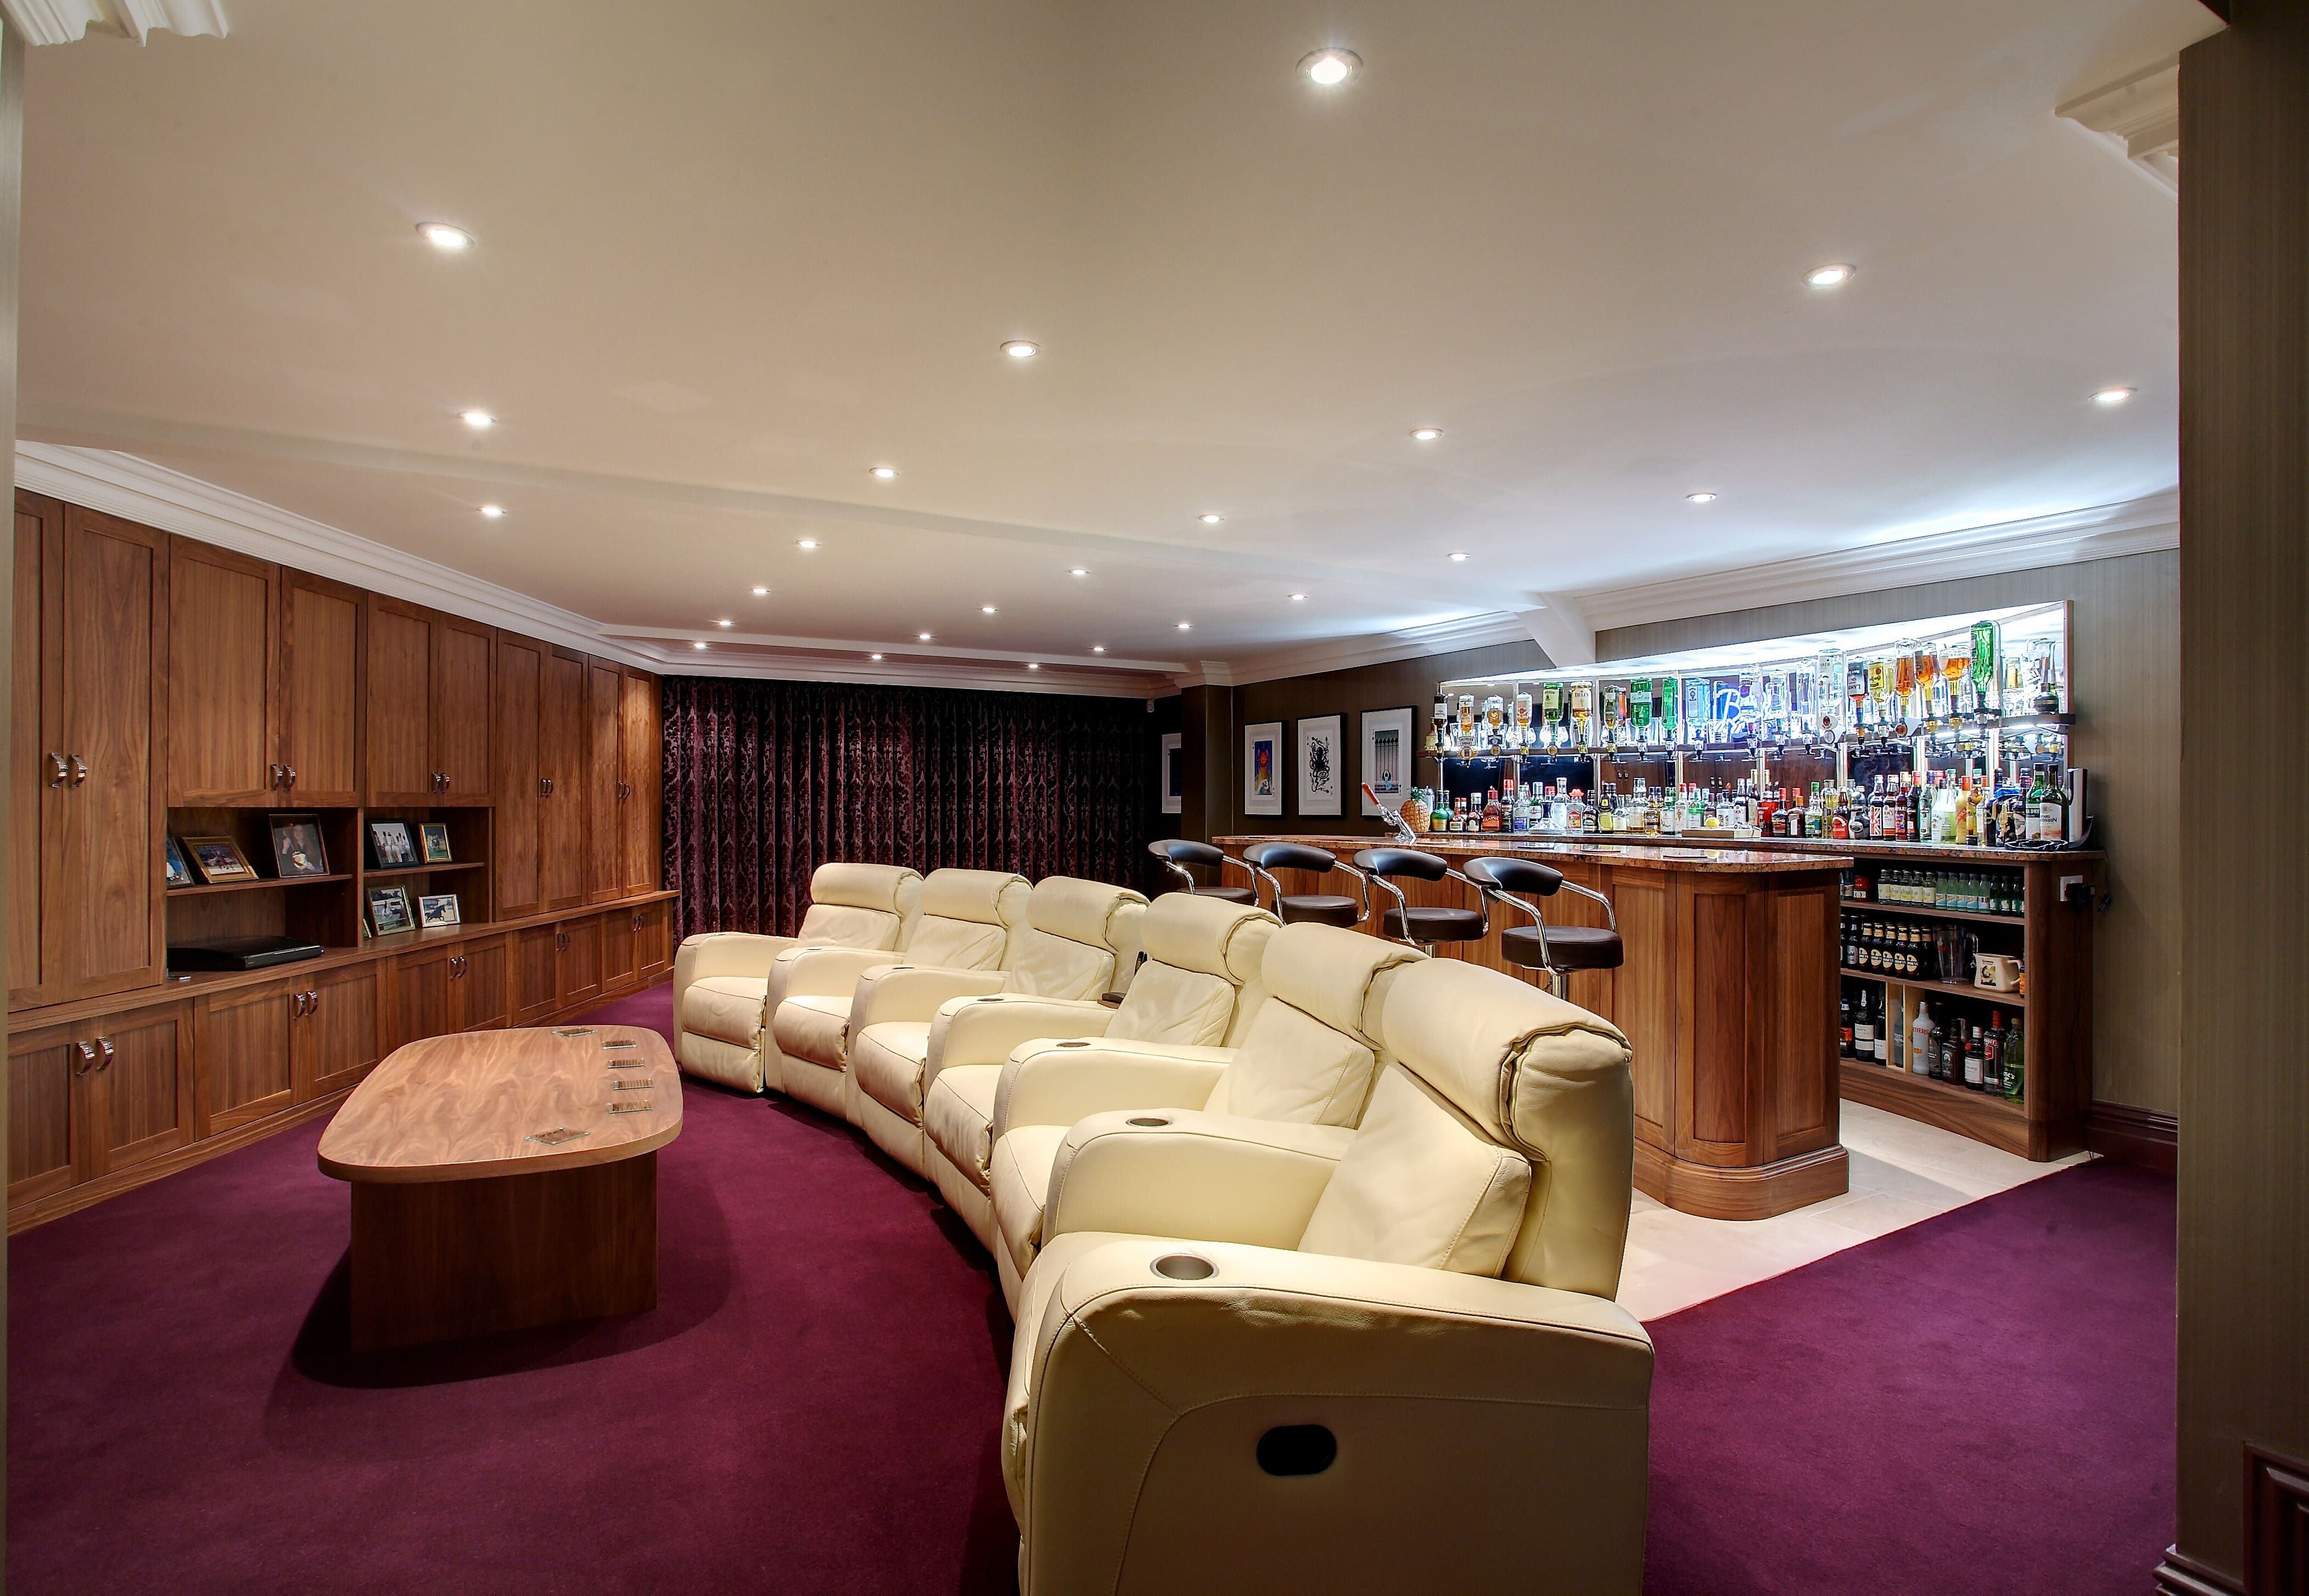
x=2138 y=1136
x=2180 y=1574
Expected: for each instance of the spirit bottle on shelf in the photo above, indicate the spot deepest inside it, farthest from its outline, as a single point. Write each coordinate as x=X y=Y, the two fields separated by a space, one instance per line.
x=1639 y=709
x=1437 y=744
x=1924 y=1041
x=1903 y=685
x=1664 y=694
x=2016 y=1060
x=1855 y=692
x=1583 y=714
x=1863 y=1029
x=1974 y=1058
x=1467 y=722
x=1492 y=809
x=1523 y=720
x=1494 y=718
x=1992 y=1057
x=1984 y=667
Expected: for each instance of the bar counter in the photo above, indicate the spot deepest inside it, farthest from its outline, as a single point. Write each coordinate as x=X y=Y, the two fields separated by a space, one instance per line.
x=1727 y=997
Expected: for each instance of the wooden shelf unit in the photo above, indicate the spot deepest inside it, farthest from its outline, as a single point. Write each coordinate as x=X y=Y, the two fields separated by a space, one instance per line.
x=1869 y=906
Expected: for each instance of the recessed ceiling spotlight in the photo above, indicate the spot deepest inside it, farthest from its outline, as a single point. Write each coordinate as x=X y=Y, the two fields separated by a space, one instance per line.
x=1078 y=571
x=761 y=593
x=2112 y=395
x=806 y=542
x=886 y=473
x=986 y=608
x=1031 y=665
x=1702 y=496
x=1459 y=554
x=1186 y=626
x=698 y=646
x=1098 y=648
x=725 y=623
x=1020 y=349
x=493 y=510
x=1834 y=275
x=873 y=656
x=1426 y=434
x=479 y=421
x=1330 y=67
x=1298 y=598
x=1212 y=519
x=925 y=636
x=442 y=236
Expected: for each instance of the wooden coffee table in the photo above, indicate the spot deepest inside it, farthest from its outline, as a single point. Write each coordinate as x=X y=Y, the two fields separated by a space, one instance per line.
x=504 y=1179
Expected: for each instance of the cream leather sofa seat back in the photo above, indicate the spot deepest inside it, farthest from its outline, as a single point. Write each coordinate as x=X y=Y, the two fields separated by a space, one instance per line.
x=722 y=978
x=1081 y=939
x=1414 y=1380
x=970 y=920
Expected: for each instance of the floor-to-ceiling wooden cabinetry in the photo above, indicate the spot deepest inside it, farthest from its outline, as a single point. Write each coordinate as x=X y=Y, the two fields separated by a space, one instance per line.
x=164 y=686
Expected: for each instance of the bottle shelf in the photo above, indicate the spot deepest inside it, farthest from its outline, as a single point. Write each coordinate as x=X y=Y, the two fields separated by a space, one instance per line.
x=2011 y=1000
x=1924 y=1087
x=1919 y=911
x=261 y=884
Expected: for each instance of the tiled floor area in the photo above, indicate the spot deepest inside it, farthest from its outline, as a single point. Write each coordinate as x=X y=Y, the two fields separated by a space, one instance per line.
x=1901 y=1172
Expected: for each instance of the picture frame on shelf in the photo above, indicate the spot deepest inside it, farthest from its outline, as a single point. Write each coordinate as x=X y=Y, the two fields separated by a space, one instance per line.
x=436 y=910
x=1322 y=765
x=298 y=849
x=1262 y=768
x=1173 y=789
x=435 y=836
x=1387 y=757
x=218 y=859
x=388 y=909
x=390 y=847
x=180 y=874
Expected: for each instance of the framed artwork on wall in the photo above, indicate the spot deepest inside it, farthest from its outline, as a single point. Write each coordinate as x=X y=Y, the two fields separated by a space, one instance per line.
x=1262 y=768
x=1174 y=780
x=1322 y=765
x=1386 y=759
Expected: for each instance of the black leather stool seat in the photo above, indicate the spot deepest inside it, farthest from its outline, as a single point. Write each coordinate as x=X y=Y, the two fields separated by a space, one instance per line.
x=1320 y=908
x=1435 y=925
x=1227 y=894
x=1568 y=948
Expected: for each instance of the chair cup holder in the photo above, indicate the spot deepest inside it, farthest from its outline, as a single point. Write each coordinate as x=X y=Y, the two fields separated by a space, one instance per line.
x=1074 y=1044
x=1148 y=1122
x=1184 y=1266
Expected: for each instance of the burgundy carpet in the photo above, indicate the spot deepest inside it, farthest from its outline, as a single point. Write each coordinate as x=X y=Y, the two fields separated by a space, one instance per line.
x=1982 y=1403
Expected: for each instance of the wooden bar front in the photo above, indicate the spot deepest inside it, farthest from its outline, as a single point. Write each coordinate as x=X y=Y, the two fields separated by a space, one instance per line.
x=1727 y=997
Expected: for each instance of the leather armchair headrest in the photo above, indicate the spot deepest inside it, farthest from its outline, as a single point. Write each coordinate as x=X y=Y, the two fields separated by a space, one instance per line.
x=893 y=888
x=989 y=896
x=1334 y=975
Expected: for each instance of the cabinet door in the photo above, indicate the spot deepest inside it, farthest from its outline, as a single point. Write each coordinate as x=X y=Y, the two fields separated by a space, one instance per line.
x=653 y=941
x=398 y=690
x=140 y=1091
x=321 y=637
x=42 y=1105
x=605 y=782
x=617 y=951
x=581 y=960
x=224 y=676
x=242 y=1042
x=484 y=991
x=536 y=974
x=561 y=841
x=423 y=1003
x=462 y=651
x=517 y=694
x=644 y=781
x=342 y=1036
x=107 y=923
x=35 y=768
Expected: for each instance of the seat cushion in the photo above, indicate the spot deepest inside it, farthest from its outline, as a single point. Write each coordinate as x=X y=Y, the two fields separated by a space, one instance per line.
x=726 y=1007
x=1293 y=1067
x=886 y=1062
x=1168 y=1004
x=1019 y=1180
x=1435 y=925
x=810 y=1027
x=1319 y=908
x=959 y=1116
x=1568 y=948
x=1227 y=894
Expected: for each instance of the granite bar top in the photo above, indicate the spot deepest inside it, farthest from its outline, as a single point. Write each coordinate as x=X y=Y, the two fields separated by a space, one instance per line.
x=1650 y=853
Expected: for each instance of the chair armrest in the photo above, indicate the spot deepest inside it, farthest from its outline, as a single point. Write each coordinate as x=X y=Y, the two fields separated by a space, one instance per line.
x=724 y=953
x=912 y=992
x=814 y=970
x=1047 y=1082
x=1208 y=1176
x=984 y=1031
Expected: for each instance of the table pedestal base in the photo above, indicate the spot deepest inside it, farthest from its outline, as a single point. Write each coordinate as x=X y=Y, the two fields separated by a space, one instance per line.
x=1755 y=1192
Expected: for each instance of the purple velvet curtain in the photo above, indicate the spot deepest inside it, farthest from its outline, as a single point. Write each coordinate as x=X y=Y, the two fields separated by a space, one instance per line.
x=765 y=781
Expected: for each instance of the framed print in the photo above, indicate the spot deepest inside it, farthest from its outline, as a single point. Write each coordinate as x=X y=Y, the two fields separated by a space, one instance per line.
x=435 y=836
x=180 y=874
x=297 y=849
x=1262 y=768
x=437 y=908
x=218 y=859
x=1322 y=765
x=1386 y=759
x=390 y=841
x=1174 y=782
x=388 y=909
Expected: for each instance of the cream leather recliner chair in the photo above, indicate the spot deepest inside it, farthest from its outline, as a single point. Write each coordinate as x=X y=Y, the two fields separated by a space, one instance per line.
x=722 y=978
x=1081 y=940
x=1246 y=1364
x=1199 y=989
x=1310 y=1057
x=970 y=920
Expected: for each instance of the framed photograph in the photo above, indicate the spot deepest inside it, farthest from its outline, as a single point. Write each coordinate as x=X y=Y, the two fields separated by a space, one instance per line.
x=1386 y=759
x=1262 y=768
x=180 y=874
x=218 y=859
x=437 y=908
x=1322 y=765
x=436 y=838
x=1174 y=780
x=390 y=842
x=388 y=909
x=297 y=849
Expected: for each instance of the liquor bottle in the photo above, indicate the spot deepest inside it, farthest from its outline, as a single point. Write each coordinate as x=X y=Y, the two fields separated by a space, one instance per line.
x=1885 y=1022
x=2032 y=826
x=1491 y=809
x=2016 y=1062
x=2051 y=818
x=1583 y=714
x=1975 y=1047
x=1664 y=689
x=1924 y=1041
x=1864 y=1029
x=1438 y=744
x=1992 y=1057
x=1439 y=818
x=1844 y=1026
x=1896 y=1046
x=1639 y=708
x=1551 y=713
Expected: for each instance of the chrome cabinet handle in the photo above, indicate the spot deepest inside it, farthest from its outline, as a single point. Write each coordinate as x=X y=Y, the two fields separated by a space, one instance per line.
x=296 y=1005
x=87 y=1057
x=104 y=1046
x=312 y=1002
x=292 y=774
x=276 y=770
x=545 y=787
x=56 y=770
x=79 y=770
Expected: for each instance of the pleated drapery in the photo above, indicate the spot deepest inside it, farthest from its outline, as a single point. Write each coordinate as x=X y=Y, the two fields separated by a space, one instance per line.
x=765 y=781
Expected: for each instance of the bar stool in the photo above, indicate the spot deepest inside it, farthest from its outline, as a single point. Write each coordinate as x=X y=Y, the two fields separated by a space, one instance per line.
x=1319 y=908
x=1177 y=853
x=1556 y=950
x=1423 y=928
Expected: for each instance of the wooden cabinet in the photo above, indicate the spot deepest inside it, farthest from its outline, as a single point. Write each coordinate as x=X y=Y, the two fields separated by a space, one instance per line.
x=458 y=986
x=536 y=974
x=427 y=702
x=653 y=943
x=243 y=1041
x=321 y=632
x=561 y=758
x=95 y=1098
x=484 y=993
x=617 y=949
x=644 y=788
x=340 y=1037
x=581 y=960
x=44 y=1099
x=517 y=692
x=605 y=780
x=461 y=654
x=224 y=677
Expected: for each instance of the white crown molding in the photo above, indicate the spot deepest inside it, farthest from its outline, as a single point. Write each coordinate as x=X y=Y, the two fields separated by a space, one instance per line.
x=1011 y=659
x=1348 y=654
x=2140 y=117
x=2103 y=531
x=63 y=22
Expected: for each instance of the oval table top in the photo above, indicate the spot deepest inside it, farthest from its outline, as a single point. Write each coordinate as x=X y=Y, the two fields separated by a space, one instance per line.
x=518 y=1102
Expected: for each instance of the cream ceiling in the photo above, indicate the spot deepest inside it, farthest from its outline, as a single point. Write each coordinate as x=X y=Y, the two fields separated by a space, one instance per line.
x=732 y=253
